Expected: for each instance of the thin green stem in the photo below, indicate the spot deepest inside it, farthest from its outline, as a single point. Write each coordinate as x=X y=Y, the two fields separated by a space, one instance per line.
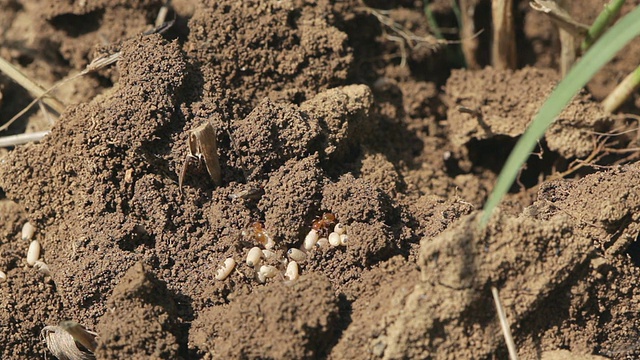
x=622 y=92
x=610 y=11
x=456 y=11
x=433 y=23
x=453 y=54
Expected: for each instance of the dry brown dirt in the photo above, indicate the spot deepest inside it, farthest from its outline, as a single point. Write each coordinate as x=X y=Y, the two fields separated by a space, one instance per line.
x=313 y=113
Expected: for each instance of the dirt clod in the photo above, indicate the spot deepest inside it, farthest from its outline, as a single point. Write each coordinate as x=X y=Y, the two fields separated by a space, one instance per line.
x=278 y=321
x=140 y=322
x=315 y=109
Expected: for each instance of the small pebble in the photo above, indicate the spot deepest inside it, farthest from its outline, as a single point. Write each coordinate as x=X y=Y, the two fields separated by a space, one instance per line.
x=296 y=255
x=340 y=229
x=33 y=254
x=3 y=277
x=226 y=268
x=27 y=231
x=292 y=271
x=310 y=240
x=334 y=239
x=254 y=256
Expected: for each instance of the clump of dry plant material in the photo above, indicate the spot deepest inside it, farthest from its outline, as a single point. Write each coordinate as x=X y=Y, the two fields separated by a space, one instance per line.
x=44 y=96
x=203 y=146
x=95 y=65
x=70 y=341
x=570 y=30
x=403 y=37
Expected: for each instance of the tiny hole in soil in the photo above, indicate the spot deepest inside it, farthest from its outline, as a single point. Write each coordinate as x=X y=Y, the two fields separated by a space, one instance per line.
x=104 y=81
x=24 y=60
x=634 y=251
x=492 y=154
x=76 y=25
x=132 y=241
x=292 y=19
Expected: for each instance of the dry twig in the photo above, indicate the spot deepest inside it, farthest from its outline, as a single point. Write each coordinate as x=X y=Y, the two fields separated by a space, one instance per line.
x=13 y=140
x=467 y=31
x=403 y=37
x=95 y=65
x=570 y=30
x=36 y=90
x=506 y=330
x=503 y=50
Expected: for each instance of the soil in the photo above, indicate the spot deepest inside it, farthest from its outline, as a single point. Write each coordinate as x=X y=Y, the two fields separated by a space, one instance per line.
x=315 y=112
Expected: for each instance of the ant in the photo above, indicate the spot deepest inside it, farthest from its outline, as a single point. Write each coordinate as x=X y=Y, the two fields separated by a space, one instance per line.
x=261 y=236
x=323 y=224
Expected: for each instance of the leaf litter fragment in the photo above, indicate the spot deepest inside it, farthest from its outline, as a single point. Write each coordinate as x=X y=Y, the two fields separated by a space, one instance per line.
x=203 y=146
x=70 y=341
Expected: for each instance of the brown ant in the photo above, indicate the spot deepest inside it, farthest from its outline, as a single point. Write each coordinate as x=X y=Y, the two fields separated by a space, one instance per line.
x=261 y=236
x=323 y=224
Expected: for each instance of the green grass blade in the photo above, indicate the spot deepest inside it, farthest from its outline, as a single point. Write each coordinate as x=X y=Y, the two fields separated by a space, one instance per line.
x=598 y=55
x=432 y=22
x=454 y=52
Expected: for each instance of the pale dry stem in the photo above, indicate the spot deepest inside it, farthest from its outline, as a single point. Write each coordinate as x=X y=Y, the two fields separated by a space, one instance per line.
x=19 y=139
x=560 y=17
x=503 y=49
x=622 y=92
x=467 y=31
x=36 y=90
x=95 y=65
x=504 y=324
x=571 y=31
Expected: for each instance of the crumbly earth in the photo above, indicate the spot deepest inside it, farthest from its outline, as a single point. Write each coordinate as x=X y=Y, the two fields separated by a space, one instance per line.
x=315 y=112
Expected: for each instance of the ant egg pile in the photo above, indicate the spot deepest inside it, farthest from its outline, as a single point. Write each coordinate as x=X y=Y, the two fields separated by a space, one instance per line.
x=269 y=263
x=33 y=252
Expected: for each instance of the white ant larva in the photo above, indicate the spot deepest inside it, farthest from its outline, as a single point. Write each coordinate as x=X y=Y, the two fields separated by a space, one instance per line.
x=334 y=239
x=268 y=271
x=226 y=268
x=33 y=254
x=310 y=240
x=292 y=271
x=27 y=231
x=322 y=242
x=254 y=256
x=296 y=255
